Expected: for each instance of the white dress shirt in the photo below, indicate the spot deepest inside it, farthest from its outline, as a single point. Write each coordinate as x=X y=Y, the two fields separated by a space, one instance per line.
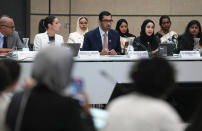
x=102 y=35
x=1 y=40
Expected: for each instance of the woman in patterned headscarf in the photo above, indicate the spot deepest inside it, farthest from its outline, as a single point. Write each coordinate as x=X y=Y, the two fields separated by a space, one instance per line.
x=49 y=105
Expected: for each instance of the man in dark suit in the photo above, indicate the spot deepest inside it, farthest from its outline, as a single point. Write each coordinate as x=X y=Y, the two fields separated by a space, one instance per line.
x=9 y=38
x=103 y=38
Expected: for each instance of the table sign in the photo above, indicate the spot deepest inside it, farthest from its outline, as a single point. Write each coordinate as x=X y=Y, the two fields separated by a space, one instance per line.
x=138 y=54
x=26 y=55
x=89 y=54
x=190 y=54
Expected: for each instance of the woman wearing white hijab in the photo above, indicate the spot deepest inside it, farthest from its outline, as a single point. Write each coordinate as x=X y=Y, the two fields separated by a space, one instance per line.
x=81 y=29
x=46 y=106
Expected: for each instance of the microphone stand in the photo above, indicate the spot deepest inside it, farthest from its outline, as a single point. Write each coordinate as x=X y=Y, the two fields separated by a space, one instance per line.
x=149 y=49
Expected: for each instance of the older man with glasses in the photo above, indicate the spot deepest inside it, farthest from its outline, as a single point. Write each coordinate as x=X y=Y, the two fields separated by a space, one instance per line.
x=9 y=38
x=103 y=38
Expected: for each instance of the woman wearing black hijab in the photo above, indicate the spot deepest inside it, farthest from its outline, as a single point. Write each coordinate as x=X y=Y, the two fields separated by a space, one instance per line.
x=192 y=31
x=146 y=40
x=122 y=29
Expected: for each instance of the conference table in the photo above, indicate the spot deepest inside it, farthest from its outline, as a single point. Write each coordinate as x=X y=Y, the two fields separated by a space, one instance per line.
x=101 y=74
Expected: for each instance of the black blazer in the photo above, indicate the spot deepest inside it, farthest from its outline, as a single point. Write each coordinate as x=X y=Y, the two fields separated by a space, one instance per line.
x=93 y=42
x=48 y=111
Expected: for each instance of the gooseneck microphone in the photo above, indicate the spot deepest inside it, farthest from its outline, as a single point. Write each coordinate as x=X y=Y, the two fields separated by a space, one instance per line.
x=108 y=77
x=149 y=49
x=174 y=39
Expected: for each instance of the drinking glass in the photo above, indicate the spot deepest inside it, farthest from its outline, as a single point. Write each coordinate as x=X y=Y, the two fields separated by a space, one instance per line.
x=163 y=51
x=25 y=42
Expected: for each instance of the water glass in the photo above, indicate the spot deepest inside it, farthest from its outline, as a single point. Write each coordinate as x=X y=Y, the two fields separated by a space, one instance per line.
x=25 y=42
x=163 y=51
x=14 y=52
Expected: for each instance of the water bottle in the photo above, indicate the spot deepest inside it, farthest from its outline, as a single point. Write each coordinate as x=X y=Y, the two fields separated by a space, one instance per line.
x=25 y=42
x=130 y=47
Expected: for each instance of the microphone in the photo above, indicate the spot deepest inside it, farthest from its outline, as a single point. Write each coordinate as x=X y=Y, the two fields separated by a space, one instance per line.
x=149 y=49
x=149 y=46
x=108 y=77
x=174 y=39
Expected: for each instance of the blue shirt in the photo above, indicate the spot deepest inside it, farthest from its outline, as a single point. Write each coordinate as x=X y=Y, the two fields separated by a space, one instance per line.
x=102 y=35
x=1 y=40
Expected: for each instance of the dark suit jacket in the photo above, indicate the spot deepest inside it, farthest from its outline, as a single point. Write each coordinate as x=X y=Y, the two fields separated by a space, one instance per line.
x=93 y=42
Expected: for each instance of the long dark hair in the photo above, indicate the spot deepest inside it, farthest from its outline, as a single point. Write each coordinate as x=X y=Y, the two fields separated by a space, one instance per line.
x=158 y=73
x=193 y=22
x=43 y=24
x=118 y=24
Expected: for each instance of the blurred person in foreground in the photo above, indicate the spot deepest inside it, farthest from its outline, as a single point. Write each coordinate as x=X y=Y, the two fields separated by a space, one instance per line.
x=48 y=106
x=10 y=71
x=145 y=109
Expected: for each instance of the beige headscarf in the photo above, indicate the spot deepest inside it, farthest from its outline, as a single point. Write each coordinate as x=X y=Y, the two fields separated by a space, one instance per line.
x=81 y=32
x=52 y=67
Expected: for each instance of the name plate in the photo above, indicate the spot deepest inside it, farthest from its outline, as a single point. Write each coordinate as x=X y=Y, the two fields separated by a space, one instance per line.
x=190 y=54
x=25 y=49
x=138 y=54
x=89 y=54
x=26 y=55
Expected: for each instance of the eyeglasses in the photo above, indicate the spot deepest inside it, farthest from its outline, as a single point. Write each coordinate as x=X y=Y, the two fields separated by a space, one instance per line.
x=107 y=21
x=83 y=23
x=9 y=26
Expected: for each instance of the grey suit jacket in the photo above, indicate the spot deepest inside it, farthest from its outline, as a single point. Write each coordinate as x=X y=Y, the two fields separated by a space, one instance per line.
x=13 y=40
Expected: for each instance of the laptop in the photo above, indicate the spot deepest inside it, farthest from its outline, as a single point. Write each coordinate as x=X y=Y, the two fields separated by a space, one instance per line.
x=74 y=46
x=166 y=49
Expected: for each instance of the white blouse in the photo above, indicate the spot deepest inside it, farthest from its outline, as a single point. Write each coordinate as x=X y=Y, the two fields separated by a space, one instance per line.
x=75 y=37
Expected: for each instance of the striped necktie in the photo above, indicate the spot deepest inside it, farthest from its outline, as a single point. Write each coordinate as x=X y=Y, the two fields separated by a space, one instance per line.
x=105 y=41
